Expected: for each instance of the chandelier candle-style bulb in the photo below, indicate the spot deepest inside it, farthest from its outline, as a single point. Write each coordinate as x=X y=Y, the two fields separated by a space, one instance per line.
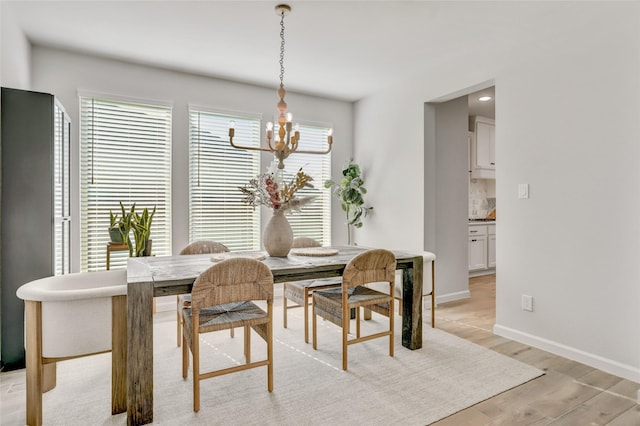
x=288 y=136
x=269 y=132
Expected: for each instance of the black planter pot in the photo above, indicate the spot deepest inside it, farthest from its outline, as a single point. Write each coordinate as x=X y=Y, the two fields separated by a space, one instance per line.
x=147 y=248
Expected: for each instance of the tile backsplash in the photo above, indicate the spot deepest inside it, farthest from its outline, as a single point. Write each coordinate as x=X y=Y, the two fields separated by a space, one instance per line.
x=482 y=197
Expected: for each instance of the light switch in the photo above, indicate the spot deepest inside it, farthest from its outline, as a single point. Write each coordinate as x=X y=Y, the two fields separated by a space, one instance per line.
x=523 y=190
x=527 y=303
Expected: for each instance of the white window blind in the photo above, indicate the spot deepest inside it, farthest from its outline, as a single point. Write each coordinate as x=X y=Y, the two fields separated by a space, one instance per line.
x=216 y=210
x=314 y=220
x=125 y=156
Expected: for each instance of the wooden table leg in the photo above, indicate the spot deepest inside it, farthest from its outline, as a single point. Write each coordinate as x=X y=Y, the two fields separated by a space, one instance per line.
x=412 y=305
x=139 y=353
x=118 y=354
x=33 y=317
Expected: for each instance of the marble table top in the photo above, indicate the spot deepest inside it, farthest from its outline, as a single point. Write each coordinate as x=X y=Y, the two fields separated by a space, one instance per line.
x=184 y=269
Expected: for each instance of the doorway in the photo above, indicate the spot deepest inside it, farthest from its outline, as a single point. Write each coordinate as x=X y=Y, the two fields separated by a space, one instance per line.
x=447 y=191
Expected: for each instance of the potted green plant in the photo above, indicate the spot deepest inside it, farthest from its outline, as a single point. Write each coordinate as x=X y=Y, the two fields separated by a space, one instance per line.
x=114 y=228
x=350 y=192
x=141 y=225
x=120 y=227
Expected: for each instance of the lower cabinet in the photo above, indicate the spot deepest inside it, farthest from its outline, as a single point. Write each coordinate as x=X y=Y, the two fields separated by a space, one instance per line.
x=482 y=248
x=477 y=253
x=491 y=246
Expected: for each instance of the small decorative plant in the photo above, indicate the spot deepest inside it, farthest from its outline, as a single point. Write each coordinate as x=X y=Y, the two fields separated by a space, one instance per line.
x=114 y=228
x=120 y=227
x=141 y=225
x=350 y=192
x=269 y=190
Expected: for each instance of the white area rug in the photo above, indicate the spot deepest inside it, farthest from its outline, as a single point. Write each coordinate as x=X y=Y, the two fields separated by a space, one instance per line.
x=417 y=387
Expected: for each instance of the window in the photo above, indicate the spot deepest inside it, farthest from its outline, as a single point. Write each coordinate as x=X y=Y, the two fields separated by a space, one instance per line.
x=125 y=157
x=216 y=210
x=314 y=220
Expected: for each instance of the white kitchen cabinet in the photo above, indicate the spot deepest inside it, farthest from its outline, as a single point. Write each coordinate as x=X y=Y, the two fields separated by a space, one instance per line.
x=483 y=149
x=477 y=247
x=491 y=246
x=482 y=248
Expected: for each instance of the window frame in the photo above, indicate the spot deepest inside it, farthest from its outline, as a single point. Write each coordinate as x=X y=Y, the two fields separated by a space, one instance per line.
x=94 y=216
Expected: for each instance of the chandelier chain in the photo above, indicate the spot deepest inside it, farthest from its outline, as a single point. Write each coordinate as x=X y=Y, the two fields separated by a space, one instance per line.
x=282 y=48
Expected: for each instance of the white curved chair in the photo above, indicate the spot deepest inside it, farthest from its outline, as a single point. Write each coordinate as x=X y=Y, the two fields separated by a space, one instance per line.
x=70 y=316
x=428 y=284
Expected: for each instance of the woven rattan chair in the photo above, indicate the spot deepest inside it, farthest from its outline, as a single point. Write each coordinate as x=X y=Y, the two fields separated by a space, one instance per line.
x=222 y=298
x=429 y=270
x=182 y=300
x=300 y=292
x=335 y=304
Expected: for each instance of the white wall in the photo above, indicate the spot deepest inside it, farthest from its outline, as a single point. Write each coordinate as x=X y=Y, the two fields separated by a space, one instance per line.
x=567 y=109
x=451 y=199
x=392 y=165
x=570 y=115
x=65 y=73
x=15 y=66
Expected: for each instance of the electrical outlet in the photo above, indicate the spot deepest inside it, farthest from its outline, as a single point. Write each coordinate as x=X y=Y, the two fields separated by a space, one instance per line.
x=527 y=303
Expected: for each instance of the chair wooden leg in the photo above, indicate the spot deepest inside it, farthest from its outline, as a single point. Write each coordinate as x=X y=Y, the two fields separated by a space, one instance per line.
x=284 y=311
x=270 y=348
x=185 y=357
x=118 y=354
x=178 y=320
x=313 y=323
x=433 y=294
x=358 y=322
x=391 y=313
x=247 y=344
x=345 y=336
x=33 y=316
x=232 y=332
x=400 y=306
x=367 y=314
x=49 y=377
x=306 y=315
x=195 y=351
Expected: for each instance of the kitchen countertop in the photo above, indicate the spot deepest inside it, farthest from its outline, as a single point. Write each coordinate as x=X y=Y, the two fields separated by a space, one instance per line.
x=482 y=222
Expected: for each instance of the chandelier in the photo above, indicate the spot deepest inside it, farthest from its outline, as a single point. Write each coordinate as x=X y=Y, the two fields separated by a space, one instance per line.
x=288 y=135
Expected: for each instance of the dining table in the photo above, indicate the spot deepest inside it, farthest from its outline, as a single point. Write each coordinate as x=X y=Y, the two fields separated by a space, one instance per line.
x=153 y=276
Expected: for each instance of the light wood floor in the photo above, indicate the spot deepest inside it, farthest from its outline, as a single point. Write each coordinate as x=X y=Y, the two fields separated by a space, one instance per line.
x=569 y=393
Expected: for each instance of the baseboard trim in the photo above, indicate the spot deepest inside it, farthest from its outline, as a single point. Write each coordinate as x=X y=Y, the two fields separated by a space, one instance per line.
x=625 y=371
x=482 y=272
x=450 y=297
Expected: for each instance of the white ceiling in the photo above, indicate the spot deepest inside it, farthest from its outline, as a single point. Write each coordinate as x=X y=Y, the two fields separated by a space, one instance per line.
x=486 y=108
x=338 y=49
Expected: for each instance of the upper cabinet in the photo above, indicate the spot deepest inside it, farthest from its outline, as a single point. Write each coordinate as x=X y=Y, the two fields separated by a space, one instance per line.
x=483 y=144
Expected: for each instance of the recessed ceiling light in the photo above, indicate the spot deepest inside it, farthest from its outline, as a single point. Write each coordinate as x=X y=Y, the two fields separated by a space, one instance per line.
x=484 y=98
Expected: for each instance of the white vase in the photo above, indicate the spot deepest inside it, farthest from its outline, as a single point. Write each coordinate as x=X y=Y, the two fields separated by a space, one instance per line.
x=278 y=235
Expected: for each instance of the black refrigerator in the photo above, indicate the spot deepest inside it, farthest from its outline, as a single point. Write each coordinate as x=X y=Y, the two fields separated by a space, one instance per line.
x=35 y=205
